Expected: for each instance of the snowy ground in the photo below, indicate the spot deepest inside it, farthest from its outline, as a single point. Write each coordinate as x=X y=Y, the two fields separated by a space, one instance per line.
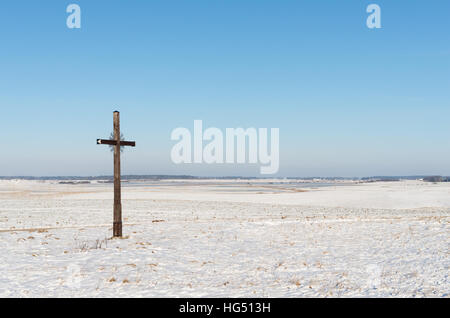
x=225 y=239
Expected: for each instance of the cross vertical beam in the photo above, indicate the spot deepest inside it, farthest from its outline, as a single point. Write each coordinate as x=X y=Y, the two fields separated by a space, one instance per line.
x=117 y=143
x=117 y=225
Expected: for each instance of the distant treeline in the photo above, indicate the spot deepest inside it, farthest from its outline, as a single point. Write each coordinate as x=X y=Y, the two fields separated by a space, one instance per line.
x=100 y=178
x=436 y=179
x=69 y=179
x=398 y=178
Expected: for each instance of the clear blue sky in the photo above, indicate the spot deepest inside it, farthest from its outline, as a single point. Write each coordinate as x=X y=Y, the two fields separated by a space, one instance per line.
x=349 y=101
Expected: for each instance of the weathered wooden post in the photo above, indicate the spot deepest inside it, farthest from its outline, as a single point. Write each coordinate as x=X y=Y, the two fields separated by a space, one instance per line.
x=117 y=143
x=117 y=225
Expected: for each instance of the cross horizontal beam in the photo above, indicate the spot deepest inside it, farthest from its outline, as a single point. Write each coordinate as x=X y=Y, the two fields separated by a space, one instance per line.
x=114 y=142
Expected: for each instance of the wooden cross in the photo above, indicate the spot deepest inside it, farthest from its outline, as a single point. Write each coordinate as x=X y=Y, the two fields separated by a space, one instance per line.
x=117 y=143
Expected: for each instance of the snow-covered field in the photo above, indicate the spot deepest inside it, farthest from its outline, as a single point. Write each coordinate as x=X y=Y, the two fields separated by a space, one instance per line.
x=225 y=239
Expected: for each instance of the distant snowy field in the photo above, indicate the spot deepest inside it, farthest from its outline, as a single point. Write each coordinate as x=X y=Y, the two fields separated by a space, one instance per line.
x=225 y=239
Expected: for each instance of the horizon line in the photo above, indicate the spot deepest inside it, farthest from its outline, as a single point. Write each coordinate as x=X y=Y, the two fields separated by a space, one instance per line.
x=174 y=176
